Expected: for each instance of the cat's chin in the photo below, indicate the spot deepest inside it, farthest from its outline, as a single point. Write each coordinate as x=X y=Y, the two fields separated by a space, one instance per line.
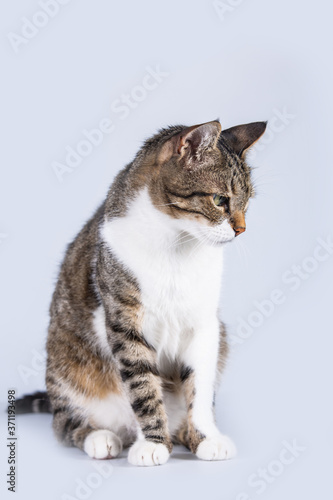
x=214 y=243
x=213 y=237
x=216 y=236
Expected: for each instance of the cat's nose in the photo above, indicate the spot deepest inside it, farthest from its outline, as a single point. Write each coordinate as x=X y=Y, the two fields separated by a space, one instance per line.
x=239 y=230
x=238 y=222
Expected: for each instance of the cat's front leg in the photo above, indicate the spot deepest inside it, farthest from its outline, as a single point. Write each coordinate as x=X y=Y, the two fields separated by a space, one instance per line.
x=137 y=363
x=199 y=373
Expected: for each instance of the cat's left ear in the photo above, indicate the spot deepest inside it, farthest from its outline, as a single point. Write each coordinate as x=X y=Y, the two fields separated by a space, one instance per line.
x=190 y=145
x=243 y=137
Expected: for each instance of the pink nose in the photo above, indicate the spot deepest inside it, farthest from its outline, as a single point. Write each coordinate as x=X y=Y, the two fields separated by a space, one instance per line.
x=239 y=230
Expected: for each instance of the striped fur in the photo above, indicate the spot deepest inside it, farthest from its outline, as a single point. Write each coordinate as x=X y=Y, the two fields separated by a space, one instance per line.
x=135 y=349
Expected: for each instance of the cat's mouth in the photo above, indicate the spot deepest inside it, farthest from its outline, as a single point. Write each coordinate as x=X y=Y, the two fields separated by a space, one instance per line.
x=215 y=236
x=219 y=242
x=219 y=235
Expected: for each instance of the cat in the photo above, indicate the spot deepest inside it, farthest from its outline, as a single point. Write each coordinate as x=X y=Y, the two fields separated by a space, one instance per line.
x=135 y=348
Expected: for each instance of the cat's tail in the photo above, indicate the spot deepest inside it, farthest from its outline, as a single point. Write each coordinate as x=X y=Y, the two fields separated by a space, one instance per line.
x=33 y=403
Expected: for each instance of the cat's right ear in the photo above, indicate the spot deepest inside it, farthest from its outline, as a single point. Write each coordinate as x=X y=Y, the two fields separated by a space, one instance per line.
x=191 y=144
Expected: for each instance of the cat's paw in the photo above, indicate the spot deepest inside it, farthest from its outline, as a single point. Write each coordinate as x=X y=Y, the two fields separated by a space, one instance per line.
x=102 y=444
x=216 y=448
x=148 y=453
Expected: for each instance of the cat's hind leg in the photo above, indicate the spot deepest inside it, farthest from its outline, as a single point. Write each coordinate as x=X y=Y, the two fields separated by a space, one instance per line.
x=102 y=444
x=72 y=430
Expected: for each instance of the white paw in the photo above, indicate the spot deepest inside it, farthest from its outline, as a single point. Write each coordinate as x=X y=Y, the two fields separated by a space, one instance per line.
x=102 y=444
x=216 y=448
x=148 y=453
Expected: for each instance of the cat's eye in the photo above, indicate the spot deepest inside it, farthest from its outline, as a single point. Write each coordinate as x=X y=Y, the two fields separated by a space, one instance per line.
x=220 y=200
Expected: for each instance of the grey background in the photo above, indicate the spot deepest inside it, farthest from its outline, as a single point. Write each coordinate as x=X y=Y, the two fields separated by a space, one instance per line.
x=258 y=60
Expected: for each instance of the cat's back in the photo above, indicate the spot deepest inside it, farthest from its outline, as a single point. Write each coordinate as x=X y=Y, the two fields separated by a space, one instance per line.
x=75 y=284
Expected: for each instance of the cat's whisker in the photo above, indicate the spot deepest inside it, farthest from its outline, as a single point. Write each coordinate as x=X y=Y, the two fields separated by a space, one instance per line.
x=200 y=243
x=181 y=239
x=258 y=186
x=237 y=249
x=263 y=182
x=261 y=191
x=264 y=179
x=178 y=244
x=267 y=173
x=242 y=251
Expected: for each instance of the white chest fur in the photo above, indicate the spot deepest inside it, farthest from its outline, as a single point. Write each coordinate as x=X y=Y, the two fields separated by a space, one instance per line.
x=179 y=277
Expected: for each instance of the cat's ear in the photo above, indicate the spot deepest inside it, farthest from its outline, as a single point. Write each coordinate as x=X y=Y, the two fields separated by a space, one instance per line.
x=195 y=140
x=242 y=137
x=191 y=144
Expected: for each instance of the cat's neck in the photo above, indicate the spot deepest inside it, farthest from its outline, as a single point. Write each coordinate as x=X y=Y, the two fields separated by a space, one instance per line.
x=147 y=228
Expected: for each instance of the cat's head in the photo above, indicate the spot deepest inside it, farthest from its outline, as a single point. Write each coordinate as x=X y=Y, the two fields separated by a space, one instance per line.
x=201 y=180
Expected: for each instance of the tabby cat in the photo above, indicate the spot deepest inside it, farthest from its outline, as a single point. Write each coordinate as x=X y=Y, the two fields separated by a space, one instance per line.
x=135 y=347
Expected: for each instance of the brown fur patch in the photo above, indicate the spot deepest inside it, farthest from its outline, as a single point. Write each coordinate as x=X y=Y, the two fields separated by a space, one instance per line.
x=85 y=371
x=94 y=380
